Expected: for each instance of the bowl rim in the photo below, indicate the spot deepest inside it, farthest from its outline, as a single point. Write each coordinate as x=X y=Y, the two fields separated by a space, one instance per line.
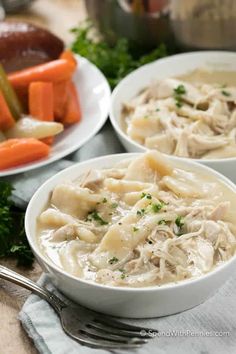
x=115 y=121
x=66 y=172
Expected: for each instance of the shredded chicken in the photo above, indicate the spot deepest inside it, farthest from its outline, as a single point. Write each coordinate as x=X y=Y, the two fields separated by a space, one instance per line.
x=184 y=118
x=143 y=222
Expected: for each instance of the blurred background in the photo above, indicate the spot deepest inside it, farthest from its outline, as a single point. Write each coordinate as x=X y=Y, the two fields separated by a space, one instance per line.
x=189 y=24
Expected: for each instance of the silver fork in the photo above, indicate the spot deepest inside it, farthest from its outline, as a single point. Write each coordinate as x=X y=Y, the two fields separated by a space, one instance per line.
x=85 y=326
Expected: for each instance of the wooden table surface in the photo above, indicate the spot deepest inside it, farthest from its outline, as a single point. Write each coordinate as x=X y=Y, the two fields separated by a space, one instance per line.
x=58 y=16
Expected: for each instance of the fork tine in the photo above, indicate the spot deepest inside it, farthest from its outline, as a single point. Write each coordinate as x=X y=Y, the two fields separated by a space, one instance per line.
x=117 y=331
x=94 y=333
x=95 y=343
x=121 y=325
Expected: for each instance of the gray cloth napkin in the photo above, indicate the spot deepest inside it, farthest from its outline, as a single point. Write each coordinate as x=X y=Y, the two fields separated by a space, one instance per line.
x=209 y=328
x=197 y=331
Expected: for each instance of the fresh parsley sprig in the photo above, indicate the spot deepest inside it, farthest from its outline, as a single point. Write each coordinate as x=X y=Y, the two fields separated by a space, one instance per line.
x=114 y=61
x=13 y=240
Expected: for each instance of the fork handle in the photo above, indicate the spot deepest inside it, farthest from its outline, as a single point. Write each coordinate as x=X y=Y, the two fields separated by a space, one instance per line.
x=10 y=275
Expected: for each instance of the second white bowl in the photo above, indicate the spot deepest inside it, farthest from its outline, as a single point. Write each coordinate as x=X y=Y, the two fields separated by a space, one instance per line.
x=168 y=67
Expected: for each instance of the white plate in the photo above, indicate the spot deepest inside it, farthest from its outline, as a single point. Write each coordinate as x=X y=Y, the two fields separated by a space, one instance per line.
x=174 y=65
x=94 y=93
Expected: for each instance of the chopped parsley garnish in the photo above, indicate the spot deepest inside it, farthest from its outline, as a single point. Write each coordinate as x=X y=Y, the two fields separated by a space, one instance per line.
x=141 y=212
x=93 y=215
x=162 y=222
x=157 y=109
x=179 y=221
x=157 y=207
x=104 y=200
x=135 y=229
x=146 y=195
x=122 y=276
x=225 y=93
x=178 y=92
x=113 y=260
x=114 y=205
x=178 y=102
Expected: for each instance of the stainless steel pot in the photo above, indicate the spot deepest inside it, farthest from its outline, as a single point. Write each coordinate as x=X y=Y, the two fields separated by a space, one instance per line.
x=195 y=24
x=144 y=22
x=13 y=6
x=205 y=24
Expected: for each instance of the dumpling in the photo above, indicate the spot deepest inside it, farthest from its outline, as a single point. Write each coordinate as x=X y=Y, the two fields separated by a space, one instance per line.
x=55 y=218
x=148 y=168
x=121 y=238
x=74 y=200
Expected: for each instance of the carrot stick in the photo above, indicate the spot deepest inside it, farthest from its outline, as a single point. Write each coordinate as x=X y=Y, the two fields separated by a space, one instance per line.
x=53 y=71
x=41 y=100
x=49 y=140
x=60 y=97
x=73 y=110
x=15 y=152
x=68 y=55
x=6 y=118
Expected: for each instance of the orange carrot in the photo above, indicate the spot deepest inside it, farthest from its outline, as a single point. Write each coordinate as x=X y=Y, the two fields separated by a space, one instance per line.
x=60 y=97
x=6 y=118
x=41 y=100
x=49 y=140
x=68 y=55
x=15 y=152
x=52 y=71
x=73 y=110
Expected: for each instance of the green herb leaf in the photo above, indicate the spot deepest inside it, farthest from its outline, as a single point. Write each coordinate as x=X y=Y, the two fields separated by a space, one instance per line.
x=157 y=207
x=179 y=221
x=178 y=102
x=135 y=229
x=162 y=222
x=93 y=215
x=114 y=205
x=113 y=260
x=225 y=93
x=13 y=241
x=180 y=90
x=141 y=212
x=146 y=195
x=123 y=273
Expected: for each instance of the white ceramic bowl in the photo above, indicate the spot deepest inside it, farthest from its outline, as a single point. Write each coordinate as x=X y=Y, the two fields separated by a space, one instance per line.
x=118 y=301
x=163 y=68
